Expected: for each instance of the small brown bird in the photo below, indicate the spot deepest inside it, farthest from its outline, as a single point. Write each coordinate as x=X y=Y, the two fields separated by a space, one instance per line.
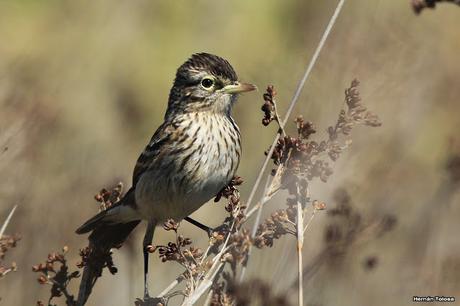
x=190 y=158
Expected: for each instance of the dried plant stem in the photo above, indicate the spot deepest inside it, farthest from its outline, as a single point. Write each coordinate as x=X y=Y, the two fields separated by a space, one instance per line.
x=208 y=279
x=295 y=98
x=258 y=207
x=209 y=295
x=268 y=193
x=259 y=211
x=261 y=173
x=7 y=221
x=300 y=236
x=313 y=60
x=313 y=214
x=282 y=123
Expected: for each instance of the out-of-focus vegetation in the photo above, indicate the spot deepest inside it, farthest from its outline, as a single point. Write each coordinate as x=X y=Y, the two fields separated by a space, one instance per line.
x=83 y=84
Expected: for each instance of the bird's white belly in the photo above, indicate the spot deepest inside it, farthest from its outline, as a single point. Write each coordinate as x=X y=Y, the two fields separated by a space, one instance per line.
x=161 y=199
x=186 y=186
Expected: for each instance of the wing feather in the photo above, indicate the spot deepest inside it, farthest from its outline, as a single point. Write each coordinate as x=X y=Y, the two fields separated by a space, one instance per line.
x=151 y=152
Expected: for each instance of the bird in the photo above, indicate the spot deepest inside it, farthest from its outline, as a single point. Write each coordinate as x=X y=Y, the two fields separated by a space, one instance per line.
x=192 y=155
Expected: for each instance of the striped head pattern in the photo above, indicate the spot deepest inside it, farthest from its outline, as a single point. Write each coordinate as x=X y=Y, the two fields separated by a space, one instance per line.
x=205 y=82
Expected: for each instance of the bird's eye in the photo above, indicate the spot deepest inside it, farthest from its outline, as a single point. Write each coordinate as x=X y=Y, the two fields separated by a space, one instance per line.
x=207 y=83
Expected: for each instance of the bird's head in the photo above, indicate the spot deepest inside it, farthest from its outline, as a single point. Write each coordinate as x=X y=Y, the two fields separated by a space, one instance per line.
x=205 y=82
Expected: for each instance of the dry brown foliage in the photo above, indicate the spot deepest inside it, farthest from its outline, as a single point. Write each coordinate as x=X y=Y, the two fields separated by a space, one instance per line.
x=55 y=272
x=7 y=242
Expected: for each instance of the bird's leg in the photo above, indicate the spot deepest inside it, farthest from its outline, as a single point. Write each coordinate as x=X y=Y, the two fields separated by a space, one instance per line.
x=147 y=241
x=205 y=228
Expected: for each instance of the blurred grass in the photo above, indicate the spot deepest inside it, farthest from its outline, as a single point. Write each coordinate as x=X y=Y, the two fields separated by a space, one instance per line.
x=83 y=84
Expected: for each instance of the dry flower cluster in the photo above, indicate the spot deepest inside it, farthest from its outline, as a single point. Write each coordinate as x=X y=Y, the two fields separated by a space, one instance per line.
x=94 y=259
x=419 y=5
x=281 y=222
x=306 y=156
x=7 y=242
x=269 y=107
x=55 y=272
x=300 y=160
x=178 y=251
x=107 y=198
x=97 y=260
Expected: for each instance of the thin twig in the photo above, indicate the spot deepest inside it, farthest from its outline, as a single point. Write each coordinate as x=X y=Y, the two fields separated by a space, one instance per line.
x=295 y=98
x=8 y=219
x=279 y=120
x=211 y=274
x=209 y=296
x=205 y=255
x=310 y=220
x=300 y=231
x=261 y=172
x=254 y=227
x=282 y=123
x=70 y=301
x=313 y=60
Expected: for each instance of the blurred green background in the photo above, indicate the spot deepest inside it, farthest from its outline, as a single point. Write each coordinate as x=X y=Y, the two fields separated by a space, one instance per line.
x=83 y=85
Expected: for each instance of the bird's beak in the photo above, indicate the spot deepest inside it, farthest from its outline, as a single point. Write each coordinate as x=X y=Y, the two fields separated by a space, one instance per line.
x=238 y=87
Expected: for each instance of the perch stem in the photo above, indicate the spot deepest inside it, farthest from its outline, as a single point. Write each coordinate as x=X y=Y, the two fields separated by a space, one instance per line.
x=295 y=98
x=300 y=236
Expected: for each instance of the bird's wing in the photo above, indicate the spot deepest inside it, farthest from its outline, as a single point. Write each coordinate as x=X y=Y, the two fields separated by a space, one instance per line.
x=155 y=148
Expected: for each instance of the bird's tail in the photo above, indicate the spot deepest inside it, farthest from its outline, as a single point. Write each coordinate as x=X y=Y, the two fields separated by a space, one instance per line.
x=113 y=218
x=109 y=229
